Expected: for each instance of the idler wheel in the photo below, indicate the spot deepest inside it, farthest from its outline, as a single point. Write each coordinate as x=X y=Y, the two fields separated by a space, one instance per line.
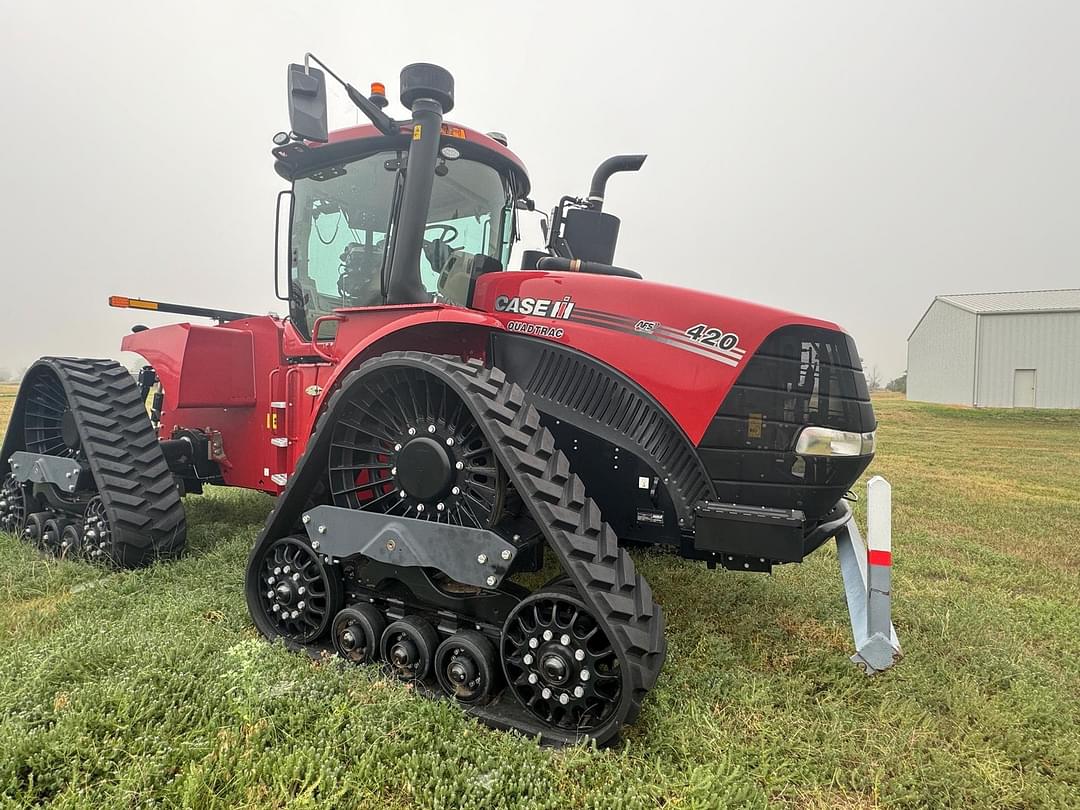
x=465 y=667
x=408 y=647
x=357 y=632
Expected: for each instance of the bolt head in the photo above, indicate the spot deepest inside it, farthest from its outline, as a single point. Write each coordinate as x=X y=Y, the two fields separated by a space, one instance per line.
x=548 y=635
x=295 y=614
x=534 y=643
x=585 y=675
x=491 y=581
x=579 y=692
x=277 y=570
x=460 y=465
x=307 y=518
x=393 y=470
x=430 y=428
x=527 y=659
x=455 y=491
x=90 y=533
x=301 y=604
x=269 y=594
x=412 y=431
x=564 y=698
x=321 y=530
x=533 y=677
x=481 y=558
x=401 y=493
x=440 y=506
x=564 y=639
x=296 y=577
x=450 y=442
x=287 y=569
x=505 y=554
x=270 y=580
x=276 y=607
x=315 y=544
x=301 y=590
x=397 y=447
x=419 y=507
x=579 y=655
x=68 y=475
x=545 y=693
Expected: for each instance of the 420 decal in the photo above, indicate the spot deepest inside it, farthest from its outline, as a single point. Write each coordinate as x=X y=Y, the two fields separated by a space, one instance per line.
x=711 y=336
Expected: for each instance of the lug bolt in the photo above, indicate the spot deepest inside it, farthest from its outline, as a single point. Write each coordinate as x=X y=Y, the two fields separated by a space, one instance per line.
x=534 y=643
x=545 y=693
x=315 y=544
x=295 y=614
x=286 y=570
x=397 y=447
x=276 y=607
x=270 y=580
x=481 y=558
x=269 y=594
x=301 y=605
x=430 y=428
x=548 y=635
x=450 y=442
x=455 y=491
x=505 y=554
x=301 y=590
x=527 y=659
x=393 y=470
x=440 y=506
x=296 y=577
x=91 y=533
x=491 y=581
x=579 y=692
x=584 y=674
x=412 y=431
x=401 y=494
x=564 y=698
x=564 y=639
x=532 y=677
x=460 y=465
x=579 y=655
x=419 y=507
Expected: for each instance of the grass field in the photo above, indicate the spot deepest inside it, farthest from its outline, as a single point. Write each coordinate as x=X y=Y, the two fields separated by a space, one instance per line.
x=151 y=687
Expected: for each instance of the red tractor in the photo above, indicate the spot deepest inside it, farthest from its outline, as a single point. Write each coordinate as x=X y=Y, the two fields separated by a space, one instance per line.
x=434 y=424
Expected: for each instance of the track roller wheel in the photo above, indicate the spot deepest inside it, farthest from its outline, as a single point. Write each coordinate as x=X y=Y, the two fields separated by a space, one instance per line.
x=465 y=666
x=34 y=532
x=357 y=632
x=408 y=647
x=559 y=663
x=12 y=506
x=299 y=593
x=52 y=533
x=71 y=540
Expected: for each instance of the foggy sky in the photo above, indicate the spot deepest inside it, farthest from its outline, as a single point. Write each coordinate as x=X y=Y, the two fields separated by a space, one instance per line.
x=848 y=160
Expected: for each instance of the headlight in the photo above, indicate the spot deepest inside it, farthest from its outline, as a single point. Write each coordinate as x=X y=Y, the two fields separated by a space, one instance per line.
x=820 y=441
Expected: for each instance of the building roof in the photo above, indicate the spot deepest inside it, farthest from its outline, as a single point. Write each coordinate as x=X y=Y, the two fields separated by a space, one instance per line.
x=1021 y=301
x=996 y=303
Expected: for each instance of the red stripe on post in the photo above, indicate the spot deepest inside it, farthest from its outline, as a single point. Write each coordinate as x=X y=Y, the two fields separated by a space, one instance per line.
x=876 y=557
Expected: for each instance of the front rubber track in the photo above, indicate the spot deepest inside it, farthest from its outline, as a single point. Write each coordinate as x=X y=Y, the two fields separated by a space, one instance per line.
x=141 y=500
x=602 y=573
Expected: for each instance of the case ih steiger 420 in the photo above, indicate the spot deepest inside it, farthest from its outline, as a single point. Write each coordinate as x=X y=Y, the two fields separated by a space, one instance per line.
x=433 y=425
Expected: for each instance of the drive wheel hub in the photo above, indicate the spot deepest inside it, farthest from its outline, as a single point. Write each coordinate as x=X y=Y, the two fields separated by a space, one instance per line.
x=425 y=470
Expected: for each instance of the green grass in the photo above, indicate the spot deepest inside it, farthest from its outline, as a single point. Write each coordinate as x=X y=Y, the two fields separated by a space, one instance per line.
x=151 y=687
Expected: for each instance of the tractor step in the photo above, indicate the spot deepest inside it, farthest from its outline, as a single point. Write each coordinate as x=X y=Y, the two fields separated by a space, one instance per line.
x=95 y=463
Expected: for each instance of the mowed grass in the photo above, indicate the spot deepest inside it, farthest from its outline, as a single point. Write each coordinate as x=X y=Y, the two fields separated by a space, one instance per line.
x=130 y=689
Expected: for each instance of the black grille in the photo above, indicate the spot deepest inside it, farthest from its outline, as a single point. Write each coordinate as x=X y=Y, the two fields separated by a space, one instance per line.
x=799 y=376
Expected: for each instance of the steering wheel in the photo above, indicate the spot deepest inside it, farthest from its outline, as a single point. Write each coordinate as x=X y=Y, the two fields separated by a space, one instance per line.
x=448 y=233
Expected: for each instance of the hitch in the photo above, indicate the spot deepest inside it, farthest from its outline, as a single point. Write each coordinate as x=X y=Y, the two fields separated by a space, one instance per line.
x=867 y=572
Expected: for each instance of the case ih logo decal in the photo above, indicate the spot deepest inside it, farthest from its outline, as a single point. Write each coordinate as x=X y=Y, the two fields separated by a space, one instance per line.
x=540 y=307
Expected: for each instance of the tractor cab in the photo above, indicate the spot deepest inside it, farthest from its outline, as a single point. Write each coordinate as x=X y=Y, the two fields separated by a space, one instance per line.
x=346 y=205
x=397 y=212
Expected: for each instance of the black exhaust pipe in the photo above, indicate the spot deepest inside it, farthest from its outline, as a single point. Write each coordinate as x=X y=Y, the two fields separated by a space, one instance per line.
x=427 y=90
x=618 y=163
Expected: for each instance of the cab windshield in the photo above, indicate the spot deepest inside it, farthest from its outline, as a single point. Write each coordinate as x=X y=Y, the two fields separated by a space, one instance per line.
x=343 y=222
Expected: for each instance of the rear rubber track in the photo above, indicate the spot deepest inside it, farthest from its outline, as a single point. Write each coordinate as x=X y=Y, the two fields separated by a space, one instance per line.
x=602 y=573
x=142 y=503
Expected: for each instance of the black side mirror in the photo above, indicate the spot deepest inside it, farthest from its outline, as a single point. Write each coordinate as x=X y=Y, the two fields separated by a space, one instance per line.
x=307 y=103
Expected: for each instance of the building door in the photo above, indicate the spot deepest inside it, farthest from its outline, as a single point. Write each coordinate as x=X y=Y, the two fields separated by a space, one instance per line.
x=1024 y=388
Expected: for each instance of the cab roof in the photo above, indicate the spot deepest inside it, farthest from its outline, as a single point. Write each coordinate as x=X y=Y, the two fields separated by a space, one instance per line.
x=299 y=160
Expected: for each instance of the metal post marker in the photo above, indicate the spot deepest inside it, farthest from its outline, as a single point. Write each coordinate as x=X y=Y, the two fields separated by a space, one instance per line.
x=868 y=581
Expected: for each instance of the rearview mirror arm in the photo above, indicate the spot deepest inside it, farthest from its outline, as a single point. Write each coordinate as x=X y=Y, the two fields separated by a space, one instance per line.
x=383 y=122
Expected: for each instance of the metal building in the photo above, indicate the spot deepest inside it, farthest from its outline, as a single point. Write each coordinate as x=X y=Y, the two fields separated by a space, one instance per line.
x=998 y=350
